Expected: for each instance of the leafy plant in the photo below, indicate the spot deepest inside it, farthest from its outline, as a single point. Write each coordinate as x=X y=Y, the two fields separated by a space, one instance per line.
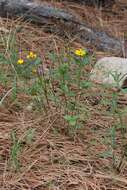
x=15 y=151
x=17 y=146
x=73 y=123
x=118 y=116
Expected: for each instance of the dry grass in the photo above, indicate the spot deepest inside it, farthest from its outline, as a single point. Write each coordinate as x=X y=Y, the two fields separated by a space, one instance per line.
x=54 y=160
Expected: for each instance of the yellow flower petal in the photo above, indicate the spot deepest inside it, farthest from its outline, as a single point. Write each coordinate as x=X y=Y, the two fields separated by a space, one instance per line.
x=28 y=56
x=34 y=56
x=31 y=55
x=80 y=52
x=20 y=61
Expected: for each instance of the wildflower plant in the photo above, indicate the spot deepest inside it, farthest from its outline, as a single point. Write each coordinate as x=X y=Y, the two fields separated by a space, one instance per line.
x=73 y=123
x=15 y=151
x=58 y=86
x=28 y=66
x=69 y=74
x=20 y=61
x=17 y=146
x=80 y=52
x=81 y=59
x=118 y=114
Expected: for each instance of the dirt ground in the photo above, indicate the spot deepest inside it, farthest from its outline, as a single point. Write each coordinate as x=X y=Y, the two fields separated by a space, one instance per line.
x=53 y=160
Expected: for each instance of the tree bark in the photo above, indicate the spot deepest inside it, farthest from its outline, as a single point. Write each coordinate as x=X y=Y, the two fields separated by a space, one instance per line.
x=60 y=22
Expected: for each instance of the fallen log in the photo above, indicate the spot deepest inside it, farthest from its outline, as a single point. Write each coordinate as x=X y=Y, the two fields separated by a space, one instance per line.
x=60 y=22
x=97 y=3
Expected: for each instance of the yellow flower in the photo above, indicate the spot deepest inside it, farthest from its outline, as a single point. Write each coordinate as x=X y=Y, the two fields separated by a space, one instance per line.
x=20 y=61
x=80 y=52
x=31 y=55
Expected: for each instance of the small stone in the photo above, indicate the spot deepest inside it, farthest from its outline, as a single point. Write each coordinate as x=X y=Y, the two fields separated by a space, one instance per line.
x=110 y=71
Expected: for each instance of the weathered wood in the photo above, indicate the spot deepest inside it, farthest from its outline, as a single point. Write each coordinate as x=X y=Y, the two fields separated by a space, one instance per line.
x=97 y=3
x=60 y=22
x=31 y=10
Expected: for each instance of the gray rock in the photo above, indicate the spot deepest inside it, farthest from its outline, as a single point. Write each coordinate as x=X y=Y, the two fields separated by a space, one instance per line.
x=110 y=71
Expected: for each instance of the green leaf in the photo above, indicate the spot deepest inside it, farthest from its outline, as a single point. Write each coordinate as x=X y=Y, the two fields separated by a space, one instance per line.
x=71 y=119
x=86 y=60
x=64 y=87
x=78 y=127
x=53 y=57
x=86 y=84
x=124 y=90
x=63 y=68
x=106 y=154
x=71 y=94
x=38 y=61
